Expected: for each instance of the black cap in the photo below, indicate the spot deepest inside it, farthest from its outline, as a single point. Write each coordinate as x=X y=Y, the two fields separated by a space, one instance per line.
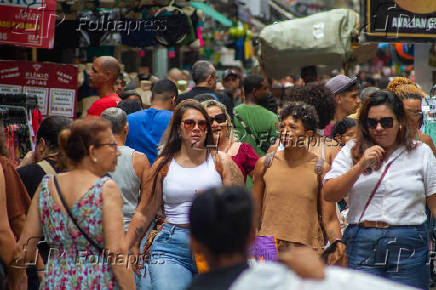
x=230 y=72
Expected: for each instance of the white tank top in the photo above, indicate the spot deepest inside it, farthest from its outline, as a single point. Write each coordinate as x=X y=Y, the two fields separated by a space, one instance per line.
x=181 y=184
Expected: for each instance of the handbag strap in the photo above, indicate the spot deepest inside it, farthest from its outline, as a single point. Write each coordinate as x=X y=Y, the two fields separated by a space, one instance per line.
x=377 y=186
x=67 y=209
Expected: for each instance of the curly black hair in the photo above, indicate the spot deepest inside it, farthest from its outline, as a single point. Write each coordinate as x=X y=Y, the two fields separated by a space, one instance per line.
x=319 y=97
x=301 y=111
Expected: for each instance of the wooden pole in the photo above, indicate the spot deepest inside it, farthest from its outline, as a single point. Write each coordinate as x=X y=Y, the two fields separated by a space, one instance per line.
x=34 y=54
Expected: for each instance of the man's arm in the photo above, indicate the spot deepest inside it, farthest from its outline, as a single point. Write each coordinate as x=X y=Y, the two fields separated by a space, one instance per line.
x=258 y=190
x=141 y=166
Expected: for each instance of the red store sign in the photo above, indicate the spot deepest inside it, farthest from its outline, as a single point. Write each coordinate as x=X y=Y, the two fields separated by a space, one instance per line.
x=27 y=22
x=55 y=85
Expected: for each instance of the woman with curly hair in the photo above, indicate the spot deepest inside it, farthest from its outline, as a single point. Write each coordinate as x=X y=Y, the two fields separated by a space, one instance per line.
x=286 y=187
x=317 y=95
x=389 y=177
x=412 y=97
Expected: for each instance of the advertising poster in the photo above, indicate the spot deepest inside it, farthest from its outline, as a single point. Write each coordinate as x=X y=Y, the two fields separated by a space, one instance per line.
x=28 y=23
x=399 y=20
x=55 y=85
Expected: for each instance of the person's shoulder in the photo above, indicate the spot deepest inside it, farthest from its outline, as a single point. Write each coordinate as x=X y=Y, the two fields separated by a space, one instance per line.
x=263 y=110
x=29 y=170
x=186 y=95
x=349 y=145
x=6 y=163
x=421 y=148
x=136 y=115
x=246 y=147
x=426 y=139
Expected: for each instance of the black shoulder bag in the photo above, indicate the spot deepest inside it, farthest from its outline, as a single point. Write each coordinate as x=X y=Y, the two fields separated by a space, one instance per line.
x=91 y=241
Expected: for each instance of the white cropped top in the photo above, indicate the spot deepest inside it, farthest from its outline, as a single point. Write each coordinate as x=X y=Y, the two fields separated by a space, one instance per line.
x=181 y=184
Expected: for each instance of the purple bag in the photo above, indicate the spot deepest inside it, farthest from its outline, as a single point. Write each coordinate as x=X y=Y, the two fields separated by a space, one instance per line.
x=264 y=249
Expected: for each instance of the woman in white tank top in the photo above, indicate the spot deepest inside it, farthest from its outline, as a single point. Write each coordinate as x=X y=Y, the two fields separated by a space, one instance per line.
x=187 y=165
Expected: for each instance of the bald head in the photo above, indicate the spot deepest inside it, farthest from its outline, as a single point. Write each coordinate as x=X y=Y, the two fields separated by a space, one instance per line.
x=104 y=73
x=110 y=64
x=174 y=74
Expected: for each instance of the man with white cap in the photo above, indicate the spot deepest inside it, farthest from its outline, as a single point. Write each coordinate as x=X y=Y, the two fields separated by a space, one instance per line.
x=346 y=92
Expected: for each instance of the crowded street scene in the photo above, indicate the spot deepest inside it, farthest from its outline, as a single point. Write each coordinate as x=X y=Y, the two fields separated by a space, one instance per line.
x=228 y=144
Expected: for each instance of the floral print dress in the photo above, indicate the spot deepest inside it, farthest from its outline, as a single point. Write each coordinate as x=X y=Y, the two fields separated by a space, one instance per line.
x=73 y=262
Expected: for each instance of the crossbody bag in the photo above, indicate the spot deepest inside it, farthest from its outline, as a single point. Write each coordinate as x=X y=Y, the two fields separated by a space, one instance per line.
x=67 y=209
x=329 y=252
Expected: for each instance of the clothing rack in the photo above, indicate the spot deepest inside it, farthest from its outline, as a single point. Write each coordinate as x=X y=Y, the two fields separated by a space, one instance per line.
x=16 y=131
x=29 y=102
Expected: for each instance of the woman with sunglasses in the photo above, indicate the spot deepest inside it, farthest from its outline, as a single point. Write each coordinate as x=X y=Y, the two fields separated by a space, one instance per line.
x=388 y=177
x=412 y=97
x=188 y=164
x=222 y=128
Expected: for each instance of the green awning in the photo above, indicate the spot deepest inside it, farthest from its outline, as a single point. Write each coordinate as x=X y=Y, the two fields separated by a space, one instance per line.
x=212 y=13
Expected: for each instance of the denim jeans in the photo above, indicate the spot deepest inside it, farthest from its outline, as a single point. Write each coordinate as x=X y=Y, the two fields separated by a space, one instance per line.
x=143 y=281
x=396 y=253
x=171 y=262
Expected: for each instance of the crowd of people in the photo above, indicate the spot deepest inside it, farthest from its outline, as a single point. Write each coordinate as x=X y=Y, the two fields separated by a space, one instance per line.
x=175 y=194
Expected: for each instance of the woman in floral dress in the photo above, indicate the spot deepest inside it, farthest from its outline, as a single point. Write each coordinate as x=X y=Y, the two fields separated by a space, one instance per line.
x=91 y=252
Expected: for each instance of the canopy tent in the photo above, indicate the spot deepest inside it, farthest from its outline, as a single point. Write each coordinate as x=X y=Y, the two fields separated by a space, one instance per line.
x=212 y=13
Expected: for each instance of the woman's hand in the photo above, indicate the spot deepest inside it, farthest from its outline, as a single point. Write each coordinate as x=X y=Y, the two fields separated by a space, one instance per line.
x=372 y=156
x=135 y=251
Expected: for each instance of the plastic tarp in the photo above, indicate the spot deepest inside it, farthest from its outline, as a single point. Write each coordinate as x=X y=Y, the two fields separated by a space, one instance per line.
x=320 y=39
x=212 y=13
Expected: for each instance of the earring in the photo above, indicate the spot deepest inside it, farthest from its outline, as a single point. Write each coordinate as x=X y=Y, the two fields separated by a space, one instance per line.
x=401 y=126
x=95 y=160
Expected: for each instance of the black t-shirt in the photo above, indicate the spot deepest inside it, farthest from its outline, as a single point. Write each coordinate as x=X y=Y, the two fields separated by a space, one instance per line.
x=218 y=279
x=32 y=175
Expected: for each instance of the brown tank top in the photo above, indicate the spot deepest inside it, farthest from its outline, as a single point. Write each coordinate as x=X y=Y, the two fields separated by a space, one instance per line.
x=290 y=205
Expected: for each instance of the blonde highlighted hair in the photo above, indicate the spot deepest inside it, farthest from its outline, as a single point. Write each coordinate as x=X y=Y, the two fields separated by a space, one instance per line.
x=211 y=103
x=405 y=89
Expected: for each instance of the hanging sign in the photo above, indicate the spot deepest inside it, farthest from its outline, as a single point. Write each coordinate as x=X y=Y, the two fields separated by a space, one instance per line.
x=55 y=85
x=27 y=23
x=399 y=20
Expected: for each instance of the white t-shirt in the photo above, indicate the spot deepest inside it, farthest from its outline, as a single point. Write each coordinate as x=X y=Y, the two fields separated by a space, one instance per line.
x=401 y=196
x=278 y=277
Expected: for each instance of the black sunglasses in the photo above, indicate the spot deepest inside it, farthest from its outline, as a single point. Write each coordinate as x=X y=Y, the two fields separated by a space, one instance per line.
x=220 y=118
x=386 y=122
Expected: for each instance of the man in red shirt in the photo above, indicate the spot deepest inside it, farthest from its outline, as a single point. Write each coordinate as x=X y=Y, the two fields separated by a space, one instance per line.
x=104 y=72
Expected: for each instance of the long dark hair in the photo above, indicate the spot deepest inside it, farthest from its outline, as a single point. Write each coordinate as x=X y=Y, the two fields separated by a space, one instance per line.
x=172 y=138
x=383 y=97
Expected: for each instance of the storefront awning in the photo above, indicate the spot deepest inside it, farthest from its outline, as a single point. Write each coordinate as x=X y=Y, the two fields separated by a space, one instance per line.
x=212 y=13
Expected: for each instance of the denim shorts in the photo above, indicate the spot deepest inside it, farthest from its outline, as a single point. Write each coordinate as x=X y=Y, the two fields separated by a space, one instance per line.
x=397 y=253
x=171 y=265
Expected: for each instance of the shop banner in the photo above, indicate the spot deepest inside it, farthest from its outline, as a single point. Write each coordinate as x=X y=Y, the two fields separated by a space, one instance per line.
x=399 y=20
x=55 y=85
x=27 y=22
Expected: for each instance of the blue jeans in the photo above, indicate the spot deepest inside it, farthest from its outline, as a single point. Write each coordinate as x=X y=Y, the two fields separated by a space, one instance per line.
x=397 y=253
x=171 y=262
x=143 y=281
